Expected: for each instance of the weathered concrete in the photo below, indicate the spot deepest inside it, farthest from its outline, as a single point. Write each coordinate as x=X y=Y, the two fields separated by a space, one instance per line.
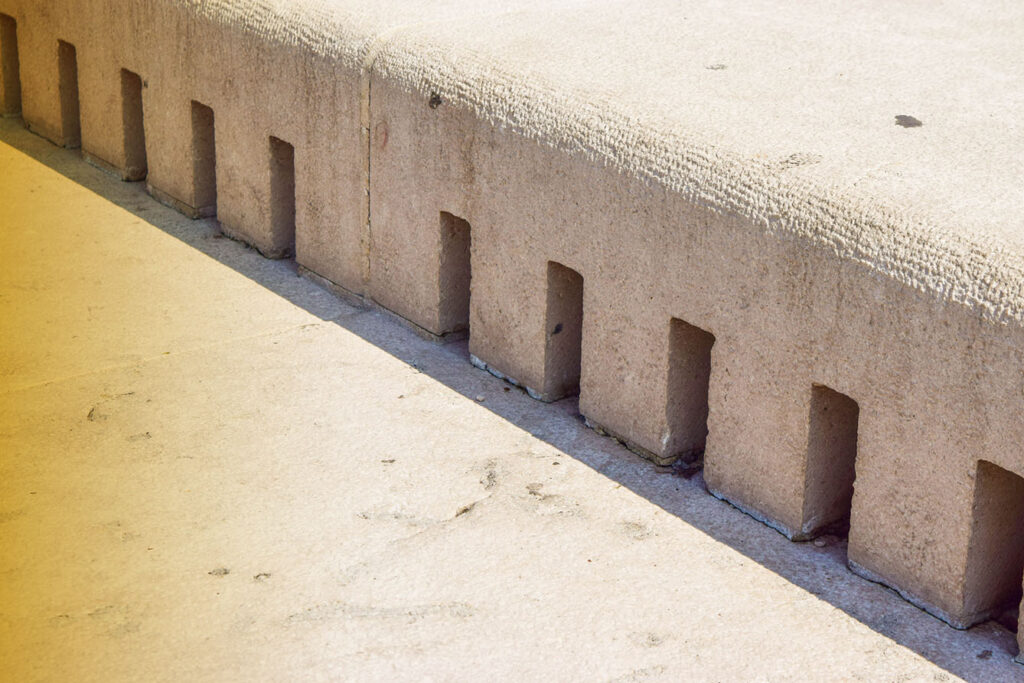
x=747 y=249
x=214 y=470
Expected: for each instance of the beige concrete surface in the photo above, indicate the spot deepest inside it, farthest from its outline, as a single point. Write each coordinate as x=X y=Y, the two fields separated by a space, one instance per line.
x=761 y=182
x=214 y=470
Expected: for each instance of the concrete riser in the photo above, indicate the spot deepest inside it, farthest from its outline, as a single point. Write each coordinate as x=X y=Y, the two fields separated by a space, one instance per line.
x=688 y=333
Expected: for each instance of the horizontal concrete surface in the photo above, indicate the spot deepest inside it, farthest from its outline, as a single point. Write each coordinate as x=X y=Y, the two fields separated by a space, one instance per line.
x=212 y=469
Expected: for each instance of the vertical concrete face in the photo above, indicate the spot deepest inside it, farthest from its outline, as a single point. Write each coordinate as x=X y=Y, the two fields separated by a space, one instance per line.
x=10 y=67
x=37 y=27
x=204 y=160
x=689 y=378
x=895 y=528
x=624 y=390
x=757 y=442
x=1020 y=633
x=995 y=557
x=70 y=110
x=563 y=330
x=132 y=119
x=831 y=459
x=455 y=274
x=282 y=197
x=243 y=184
x=509 y=339
x=914 y=505
x=330 y=183
x=420 y=151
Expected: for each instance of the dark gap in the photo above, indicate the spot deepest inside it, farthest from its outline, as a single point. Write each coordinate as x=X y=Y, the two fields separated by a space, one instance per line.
x=689 y=375
x=135 y=167
x=204 y=160
x=70 y=112
x=995 y=556
x=10 y=69
x=831 y=462
x=282 y=196
x=455 y=273
x=564 y=331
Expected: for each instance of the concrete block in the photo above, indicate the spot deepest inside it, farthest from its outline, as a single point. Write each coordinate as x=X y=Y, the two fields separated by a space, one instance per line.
x=37 y=26
x=10 y=67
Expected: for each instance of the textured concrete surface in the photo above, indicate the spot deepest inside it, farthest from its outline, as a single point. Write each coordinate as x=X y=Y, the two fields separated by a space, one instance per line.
x=824 y=215
x=214 y=470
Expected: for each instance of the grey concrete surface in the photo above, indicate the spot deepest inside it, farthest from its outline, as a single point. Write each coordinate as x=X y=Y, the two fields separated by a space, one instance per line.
x=212 y=469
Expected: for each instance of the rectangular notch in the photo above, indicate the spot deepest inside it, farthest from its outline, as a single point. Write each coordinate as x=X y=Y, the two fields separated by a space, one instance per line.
x=689 y=375
x=204 y=160
x=135 y=167
x=10 y=69
x=455 y=274
x=282 y=197
x=564 y=332
x=831 y=461
x=995 y=561
x=70 y=112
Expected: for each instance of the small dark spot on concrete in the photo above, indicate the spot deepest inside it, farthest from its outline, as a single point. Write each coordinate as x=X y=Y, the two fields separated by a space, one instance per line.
x=261 y=576
x=908 y=121
x=388 y=461
x=985 y=654
x=558 y=328
x=715 y=67
x=799 y=159
x=435 y=100
x=140 y=437
x=464 y=509
x=507 y=389
x=556 y=463
x=219 y=571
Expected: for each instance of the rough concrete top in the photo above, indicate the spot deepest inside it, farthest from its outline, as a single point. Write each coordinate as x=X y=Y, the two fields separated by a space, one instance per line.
x=780 y=112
